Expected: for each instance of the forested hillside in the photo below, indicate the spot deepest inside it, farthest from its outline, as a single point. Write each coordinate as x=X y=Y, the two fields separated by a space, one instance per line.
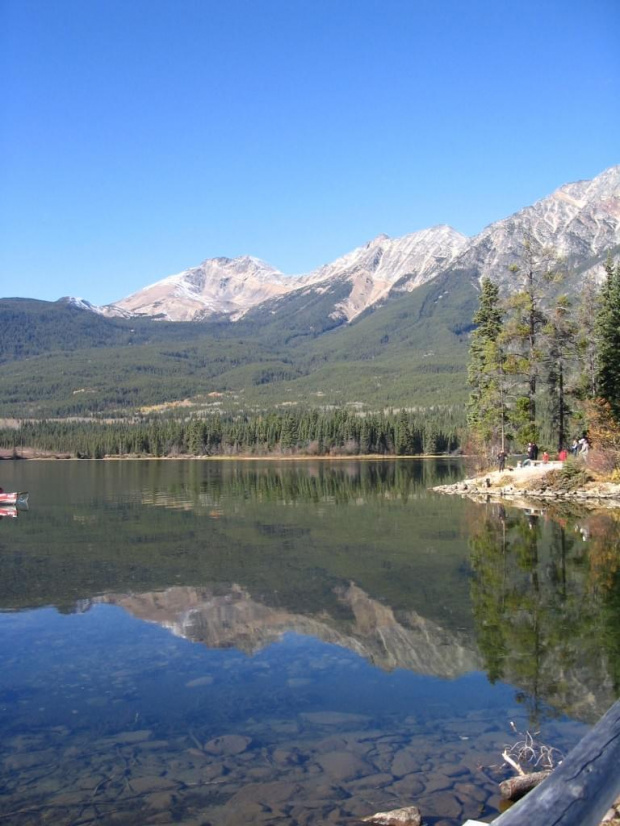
x=59 y=360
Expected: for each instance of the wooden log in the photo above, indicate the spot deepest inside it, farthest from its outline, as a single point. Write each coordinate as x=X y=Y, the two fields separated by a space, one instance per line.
x=516 y=787
x=582 y=788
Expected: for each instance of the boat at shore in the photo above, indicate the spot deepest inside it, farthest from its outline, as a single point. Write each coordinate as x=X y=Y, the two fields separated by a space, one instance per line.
x=14 y=498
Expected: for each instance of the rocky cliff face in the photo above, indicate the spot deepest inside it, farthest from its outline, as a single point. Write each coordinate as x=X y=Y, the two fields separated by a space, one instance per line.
x=372 y=271
x=580 y=222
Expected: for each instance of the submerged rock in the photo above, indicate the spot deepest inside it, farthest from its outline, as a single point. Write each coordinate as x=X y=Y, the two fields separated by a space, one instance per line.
x=409 y=816
x=228 y=744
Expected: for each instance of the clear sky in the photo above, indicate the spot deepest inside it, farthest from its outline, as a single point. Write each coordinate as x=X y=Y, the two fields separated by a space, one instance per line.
x=139 y=137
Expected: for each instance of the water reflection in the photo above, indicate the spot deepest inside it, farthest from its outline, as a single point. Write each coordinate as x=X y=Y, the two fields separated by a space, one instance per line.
x=231 y=618
x=542 y=603
x=287 y=643
x=318 y=482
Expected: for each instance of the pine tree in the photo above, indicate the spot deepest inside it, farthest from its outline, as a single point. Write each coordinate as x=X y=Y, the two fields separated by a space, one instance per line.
x=608 y=325
x=587 y=338
x=535 y=273
x=487 y=404
x=288 y=437
x=560 y=340
x=403 y=434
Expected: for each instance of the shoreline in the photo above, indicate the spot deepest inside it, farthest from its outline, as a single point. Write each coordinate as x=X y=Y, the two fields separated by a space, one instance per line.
x=42 y=456
x=529 y=485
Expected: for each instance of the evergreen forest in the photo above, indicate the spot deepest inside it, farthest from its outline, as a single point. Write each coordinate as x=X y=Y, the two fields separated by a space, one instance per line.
x=310 y=432
x=544 y=367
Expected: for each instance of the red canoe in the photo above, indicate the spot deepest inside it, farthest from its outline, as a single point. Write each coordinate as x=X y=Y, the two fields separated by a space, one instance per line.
x=9 y=511
x=15 y=498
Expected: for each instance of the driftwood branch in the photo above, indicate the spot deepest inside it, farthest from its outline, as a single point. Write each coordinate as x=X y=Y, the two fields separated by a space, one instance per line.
x=516 y=787
x=508 y=759
x=529 y=755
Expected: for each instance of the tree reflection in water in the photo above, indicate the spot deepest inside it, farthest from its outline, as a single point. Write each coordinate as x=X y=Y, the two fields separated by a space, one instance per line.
x=546 y=603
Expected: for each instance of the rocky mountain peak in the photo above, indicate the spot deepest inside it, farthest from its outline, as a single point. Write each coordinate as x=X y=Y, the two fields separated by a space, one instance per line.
x=79 y=303
x=580 y=221
x=583 y=192
x=378 y=240
x=218 y=286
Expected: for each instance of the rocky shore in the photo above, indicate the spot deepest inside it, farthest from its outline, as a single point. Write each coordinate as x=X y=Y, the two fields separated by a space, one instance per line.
x=539 y=482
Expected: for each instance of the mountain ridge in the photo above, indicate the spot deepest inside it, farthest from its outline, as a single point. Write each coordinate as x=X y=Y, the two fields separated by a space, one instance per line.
x=233 y=286
x=580 y=220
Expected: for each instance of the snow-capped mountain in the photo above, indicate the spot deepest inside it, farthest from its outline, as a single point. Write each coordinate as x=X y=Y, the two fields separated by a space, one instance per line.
x=372 y=271
x=218 y=286
x=580 y=221
x=232 y=287
x=80 y=304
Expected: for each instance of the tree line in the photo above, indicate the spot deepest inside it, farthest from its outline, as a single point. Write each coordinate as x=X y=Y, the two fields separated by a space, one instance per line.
x=293 y=432
x=543 y=366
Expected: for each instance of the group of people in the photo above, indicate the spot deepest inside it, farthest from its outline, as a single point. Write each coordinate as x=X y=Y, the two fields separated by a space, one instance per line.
x=532 y=456
x=579 y=447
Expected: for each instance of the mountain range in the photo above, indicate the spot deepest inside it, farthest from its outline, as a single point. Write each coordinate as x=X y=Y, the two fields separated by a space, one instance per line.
x=580 y=221
x=386 y=325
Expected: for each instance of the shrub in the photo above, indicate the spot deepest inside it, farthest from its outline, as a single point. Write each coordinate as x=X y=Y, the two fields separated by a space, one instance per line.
x=571 y=476
x=605 y=435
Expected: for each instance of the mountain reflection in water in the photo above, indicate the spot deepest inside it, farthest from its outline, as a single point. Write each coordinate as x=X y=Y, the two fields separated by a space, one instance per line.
x=235 y=620
x=300 y=643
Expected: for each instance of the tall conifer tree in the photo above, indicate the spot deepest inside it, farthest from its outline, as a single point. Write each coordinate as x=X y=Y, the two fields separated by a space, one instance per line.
x=608 y=323
x=587 y=338
x=560 y=351
x=487 y=403
x=535 y=273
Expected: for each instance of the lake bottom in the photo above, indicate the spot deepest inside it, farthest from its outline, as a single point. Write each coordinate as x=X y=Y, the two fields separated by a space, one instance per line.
x=126 y=723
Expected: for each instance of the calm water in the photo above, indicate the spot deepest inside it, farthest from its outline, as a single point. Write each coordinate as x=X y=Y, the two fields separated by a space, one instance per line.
x=266 y=643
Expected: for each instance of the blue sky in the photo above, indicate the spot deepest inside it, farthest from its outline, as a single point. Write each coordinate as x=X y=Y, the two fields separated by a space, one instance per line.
x=139 y=137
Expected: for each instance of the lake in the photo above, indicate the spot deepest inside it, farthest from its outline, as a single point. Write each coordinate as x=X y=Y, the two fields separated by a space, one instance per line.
x=203 y=642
